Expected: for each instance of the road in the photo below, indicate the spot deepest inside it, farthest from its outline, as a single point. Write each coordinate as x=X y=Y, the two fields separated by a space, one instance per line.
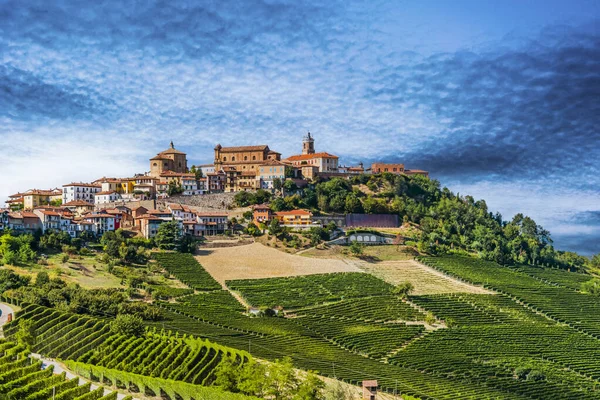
x=59 y=368
x=4 y=311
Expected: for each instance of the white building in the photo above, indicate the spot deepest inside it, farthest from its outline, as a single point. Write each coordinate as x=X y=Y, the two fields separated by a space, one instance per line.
x=102 y=222
x=206 y=169
x=182 y=212
x=109 y=196
x=80 y=191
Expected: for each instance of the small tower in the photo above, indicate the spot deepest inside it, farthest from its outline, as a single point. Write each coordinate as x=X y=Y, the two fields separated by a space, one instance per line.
x=308 y=144
x=172 y=145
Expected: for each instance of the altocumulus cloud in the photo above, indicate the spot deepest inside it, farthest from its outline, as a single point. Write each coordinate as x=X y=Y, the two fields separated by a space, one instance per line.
x=112 y=83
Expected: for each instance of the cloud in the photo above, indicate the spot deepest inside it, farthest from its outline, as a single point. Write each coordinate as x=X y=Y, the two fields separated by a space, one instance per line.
x=114 y=82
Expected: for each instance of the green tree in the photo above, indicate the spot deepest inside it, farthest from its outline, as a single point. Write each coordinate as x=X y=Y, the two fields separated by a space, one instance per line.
x=174 y=188
x=42 y=279
x=168 y=236
x=277 y=185
x=26 y=334
x=403 y=289
x=188 y=244
x=127 y=324
x=357 y=249
x=252 y=230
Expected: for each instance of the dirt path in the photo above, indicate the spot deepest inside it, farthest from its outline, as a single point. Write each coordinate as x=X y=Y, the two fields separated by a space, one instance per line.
x=425 y=280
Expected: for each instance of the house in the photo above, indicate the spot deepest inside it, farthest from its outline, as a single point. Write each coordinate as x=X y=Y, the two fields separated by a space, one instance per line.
x=357 y=170
x=105 y=197
x=15 y=221
x=25 y=221
x=138 y=212
x=50 y=219
x=15 y=201
x=377 y=168
x=208 y=224
x=145 y=186
x=79 y=207
x=122 y=218
x=271 y=170
x=216 y=181
x=149 y=223
x=206 y=169
x=181 y=211
x=369 y=390
x=102 y=222
x=35 y=198
x=295 y=218
x=324 y=162
x=80 y=191
x=261 y=214
x=4 y=219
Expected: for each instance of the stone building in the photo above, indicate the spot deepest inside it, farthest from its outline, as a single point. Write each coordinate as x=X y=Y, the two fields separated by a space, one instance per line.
x=323 y=161
x=243 y=158
x=168 y=160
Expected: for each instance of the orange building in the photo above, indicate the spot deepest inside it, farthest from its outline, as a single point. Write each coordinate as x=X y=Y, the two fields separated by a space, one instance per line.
x=243 y=158
x=262 y=214
x=294 y=217
x=168 y=160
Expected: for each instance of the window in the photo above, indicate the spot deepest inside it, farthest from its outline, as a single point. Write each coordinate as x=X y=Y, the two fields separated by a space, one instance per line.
x=245 y=158
x=155 y=165
x=386 y=170
x=394 y=169
x=224 y=158
x=253 y=157
x=232 y=158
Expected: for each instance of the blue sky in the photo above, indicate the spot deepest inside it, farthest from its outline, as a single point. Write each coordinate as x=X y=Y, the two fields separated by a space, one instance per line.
x=499 y=99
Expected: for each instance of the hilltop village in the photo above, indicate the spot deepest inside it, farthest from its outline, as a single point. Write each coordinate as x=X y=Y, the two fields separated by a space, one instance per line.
x=142 y=202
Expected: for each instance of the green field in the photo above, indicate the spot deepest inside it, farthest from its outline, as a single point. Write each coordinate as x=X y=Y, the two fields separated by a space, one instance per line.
x=537 y=337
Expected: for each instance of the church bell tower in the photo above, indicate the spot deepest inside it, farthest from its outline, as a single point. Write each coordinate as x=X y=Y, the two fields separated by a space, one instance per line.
x=308 y=144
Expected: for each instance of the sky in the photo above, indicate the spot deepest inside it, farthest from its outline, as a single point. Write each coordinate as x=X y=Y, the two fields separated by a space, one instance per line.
x=499 y=99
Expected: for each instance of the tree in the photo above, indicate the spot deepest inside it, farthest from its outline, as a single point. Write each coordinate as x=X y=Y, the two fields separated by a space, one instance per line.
x=311 y=388
x=42 y=279
x=174 y=188
x=289 y=186
x=357 y=249
x=196 y=171
x=168 y=236
x=26 y=334
x=187 y=244
x=277 y=184
x=127 y=324
x=403 y=289
x=275 y=229
x=252 y=230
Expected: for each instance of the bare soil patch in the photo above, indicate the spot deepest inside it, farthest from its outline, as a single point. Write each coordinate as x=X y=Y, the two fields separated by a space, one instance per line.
x=257 y=261
x=425 y=280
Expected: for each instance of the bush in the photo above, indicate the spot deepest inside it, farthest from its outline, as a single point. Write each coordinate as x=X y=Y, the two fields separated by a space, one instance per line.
x=126 y=324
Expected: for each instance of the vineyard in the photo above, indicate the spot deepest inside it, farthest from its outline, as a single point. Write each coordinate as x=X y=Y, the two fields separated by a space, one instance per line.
x=535 y=338
x=22 y=377
x=302 y=291
x=178 y=363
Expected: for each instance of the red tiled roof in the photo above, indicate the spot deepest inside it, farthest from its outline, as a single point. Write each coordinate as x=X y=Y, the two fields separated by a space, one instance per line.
x=261 y=147
x=301 y=157
x=81 y=184
x=293 y=212
x=77 y=203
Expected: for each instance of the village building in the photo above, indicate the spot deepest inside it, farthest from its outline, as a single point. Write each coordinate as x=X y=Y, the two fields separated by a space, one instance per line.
x=206 y=169
x=350 y=170
x=323 y=161
x=35 y=198
x=79 y=207
x=109 y=196
x=80 y=191
x=271 y=170
x=369 y=390
x=208 y=224
x=262 y=214
x=50 y=219
x=295 y=218
x=168 y=160
x=4 y=219
x=102 y=222
x=377 y=168
x=182 y=212
x=243 y=158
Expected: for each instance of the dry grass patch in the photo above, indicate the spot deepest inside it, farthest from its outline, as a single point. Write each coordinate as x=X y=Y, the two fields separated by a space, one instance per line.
x=256 y=261
x=424 y=279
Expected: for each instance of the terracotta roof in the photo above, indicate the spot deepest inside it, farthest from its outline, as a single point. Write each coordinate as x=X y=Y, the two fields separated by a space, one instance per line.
x=261 y=207
x=159 y=212
x=81 y=184
x=301 y=157
x=16 y=215
x=293 y=212
x=50 y=213
x=29 y=214
x=189 y=222
x=78 y=203
x=233 y=149
x=213 y=214
x=88 y=216
x=171 y=151
x=276 y=162
x=42 y=192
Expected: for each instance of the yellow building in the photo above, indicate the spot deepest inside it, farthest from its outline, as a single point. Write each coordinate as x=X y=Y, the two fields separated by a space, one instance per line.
x=243 y=158
x=35 y=198
x=294 y=217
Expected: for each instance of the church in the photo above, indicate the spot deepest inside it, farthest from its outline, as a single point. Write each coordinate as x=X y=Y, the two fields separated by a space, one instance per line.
x=169 y=160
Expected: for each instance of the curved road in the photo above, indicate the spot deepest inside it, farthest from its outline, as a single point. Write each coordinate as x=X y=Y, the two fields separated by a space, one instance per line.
x=4 y=311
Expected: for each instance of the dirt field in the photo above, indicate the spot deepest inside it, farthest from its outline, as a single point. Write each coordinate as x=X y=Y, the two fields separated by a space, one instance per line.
x=425 y=280
x=258 y=261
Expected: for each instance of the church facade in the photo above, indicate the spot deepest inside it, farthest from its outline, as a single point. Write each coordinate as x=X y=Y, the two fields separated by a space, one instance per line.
x=168 y=160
